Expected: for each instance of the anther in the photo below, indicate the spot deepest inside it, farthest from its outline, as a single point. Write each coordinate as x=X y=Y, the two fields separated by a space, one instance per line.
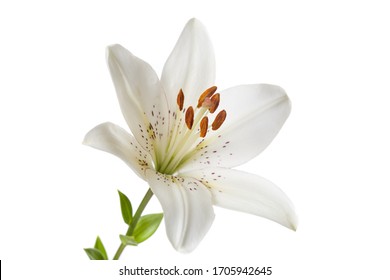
x=207 y=93
x=204 y=124
x=189 y=117
x=219 y=119
x=180 y=99
x=214 y=103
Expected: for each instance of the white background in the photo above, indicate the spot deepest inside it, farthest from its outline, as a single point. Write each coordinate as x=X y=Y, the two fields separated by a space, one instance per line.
x=331 y=157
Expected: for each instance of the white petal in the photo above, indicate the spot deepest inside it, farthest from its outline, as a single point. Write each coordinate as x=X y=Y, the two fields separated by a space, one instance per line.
x=237 y=190
x=191 y=65
x=113 y=139
x=140 y=95
x=187 y=207
x=255 y=114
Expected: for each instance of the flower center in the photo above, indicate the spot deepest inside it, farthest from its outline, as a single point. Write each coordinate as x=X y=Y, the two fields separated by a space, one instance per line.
x=191 y=128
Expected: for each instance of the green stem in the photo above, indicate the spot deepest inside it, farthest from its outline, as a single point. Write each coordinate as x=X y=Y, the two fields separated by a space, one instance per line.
x=134 y=222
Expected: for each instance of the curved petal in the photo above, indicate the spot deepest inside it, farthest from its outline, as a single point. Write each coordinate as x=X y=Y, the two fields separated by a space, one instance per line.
x=255 y=114
x=113 y=139
x=190 y=66
x=141 y=97
x=245 y=192
x=187 y=207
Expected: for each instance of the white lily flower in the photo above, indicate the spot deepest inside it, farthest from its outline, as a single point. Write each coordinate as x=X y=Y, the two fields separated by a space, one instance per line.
x=186 y=137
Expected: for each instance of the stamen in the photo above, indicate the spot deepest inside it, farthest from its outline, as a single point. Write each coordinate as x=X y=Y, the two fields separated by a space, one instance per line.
x=214 y=103
x=189 y=117
x=207 y=93
x=204 y=124
x=180 y=99
x=219 y=119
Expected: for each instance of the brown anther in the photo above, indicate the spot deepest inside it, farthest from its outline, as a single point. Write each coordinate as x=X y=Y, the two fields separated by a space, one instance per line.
x=207 y=93
x=214 y=103
x=219 y=119
x=189 y=117
x=204 y=124
x=180 y=99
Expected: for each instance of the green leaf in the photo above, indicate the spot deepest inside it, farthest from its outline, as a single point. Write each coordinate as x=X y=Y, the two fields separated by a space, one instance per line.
x=146 y=226
x=94 y=254
x=128 y=240
x=127 y=210
x=100 y=247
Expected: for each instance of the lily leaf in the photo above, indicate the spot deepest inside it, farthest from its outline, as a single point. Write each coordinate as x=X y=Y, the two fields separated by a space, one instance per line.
x=146 y=226
x=100 y=247
x=94 y=254
x=127 y=210
x=128 y=240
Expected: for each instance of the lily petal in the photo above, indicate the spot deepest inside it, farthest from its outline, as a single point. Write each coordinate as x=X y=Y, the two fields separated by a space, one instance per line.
x=255 y=114
x=113 y=139
x=249 y=193
x=187 y=206
x=190 y=66
x=141 y=97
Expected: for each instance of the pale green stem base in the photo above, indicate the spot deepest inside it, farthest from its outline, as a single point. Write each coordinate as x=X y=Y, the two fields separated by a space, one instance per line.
x=134 y=222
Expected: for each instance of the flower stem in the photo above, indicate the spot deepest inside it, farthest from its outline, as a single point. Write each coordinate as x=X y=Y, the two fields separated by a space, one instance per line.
x=134 y=222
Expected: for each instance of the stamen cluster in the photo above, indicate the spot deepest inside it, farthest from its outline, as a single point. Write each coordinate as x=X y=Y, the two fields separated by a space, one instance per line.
x=185 y=139
x=208 y=100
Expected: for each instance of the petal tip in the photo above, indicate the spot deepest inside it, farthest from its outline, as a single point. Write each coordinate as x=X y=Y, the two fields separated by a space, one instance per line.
x=111 y=49
x=193 y=21
x=95 y=133
x=86 y=141
x=294 y=225
x=188 y=246
x=292 y=222
x=184 y=250
x=280 y=92
x=195 y=24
